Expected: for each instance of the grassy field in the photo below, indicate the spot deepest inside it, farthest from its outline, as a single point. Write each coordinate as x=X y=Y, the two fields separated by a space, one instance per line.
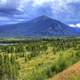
x=40 y=59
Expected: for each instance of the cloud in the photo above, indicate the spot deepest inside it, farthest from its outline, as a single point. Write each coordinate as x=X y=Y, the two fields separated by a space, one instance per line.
x=63 y=10
x=75 y=25
x=40 y=2
x=58 y=8
x=7 y=20
x=2 y=2
x=78 y=25
x=9 y=3
x=56 y=5
x=3 y=18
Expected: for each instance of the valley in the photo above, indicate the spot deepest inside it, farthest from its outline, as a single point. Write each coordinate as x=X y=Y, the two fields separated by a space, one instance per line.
x=41 y=59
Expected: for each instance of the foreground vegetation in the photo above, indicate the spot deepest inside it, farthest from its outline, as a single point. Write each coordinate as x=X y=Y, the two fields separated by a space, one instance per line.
x=37 y=59
x=71 y=73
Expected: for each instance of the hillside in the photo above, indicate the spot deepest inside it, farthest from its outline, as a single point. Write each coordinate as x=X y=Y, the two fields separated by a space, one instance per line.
x=72 y=73
x=38 y=27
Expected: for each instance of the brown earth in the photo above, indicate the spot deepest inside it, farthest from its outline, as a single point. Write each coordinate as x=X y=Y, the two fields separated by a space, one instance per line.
x=74 y=70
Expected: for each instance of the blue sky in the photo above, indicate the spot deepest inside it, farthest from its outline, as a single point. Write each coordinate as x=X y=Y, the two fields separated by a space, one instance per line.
x=67 y=11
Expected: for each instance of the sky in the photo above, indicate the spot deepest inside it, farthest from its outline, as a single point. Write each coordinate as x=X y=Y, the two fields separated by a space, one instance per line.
x=66 y=11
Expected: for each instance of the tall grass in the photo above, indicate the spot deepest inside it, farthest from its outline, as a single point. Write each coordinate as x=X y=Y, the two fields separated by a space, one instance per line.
x=37 y=60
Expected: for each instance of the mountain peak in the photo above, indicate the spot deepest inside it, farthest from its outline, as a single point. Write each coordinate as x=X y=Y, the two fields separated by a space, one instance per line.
x=40 y=26
x=43 y=18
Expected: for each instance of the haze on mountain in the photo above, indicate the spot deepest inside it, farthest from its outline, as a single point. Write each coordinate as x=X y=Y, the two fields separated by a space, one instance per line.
x=42 y=26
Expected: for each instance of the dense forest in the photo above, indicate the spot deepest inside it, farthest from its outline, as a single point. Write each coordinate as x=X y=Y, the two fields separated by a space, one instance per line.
x=37 y=59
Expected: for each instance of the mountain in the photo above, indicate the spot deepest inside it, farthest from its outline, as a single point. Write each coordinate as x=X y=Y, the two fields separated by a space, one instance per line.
x=38 y=27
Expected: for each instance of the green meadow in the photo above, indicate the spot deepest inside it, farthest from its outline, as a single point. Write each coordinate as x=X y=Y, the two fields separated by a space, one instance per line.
x=40 y=59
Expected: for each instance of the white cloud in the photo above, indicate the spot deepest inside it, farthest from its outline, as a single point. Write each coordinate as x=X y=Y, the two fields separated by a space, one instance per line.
x=40 y=2
x=4 y=18
x=78 y=25
x=58 y=9
x=72 y=25
x=23 y=3
x=2 y=2
x=9 y=3
x=57 y=6
x=75 y=25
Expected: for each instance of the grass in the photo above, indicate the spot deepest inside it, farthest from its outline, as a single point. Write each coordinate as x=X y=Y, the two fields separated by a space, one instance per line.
x=39 y=60
x=46 y=65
